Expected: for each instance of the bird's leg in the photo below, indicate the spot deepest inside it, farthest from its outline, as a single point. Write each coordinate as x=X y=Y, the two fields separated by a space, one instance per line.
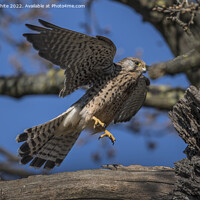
x=107 y=133
x=98 y=122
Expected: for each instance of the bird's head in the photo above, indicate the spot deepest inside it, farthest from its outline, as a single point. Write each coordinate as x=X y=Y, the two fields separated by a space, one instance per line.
x=133 y=64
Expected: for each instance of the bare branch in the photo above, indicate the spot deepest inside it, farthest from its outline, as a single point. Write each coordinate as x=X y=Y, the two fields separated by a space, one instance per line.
x=178 y=13
x=10 y=165
x=132 y=182
x=181 y=64
x=13 y=170
x=19 y=86
x=177 y=9
x=10 y=157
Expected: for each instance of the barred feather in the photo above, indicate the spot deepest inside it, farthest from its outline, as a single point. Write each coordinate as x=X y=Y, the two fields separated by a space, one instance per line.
x=48 y=143
x=82 y=56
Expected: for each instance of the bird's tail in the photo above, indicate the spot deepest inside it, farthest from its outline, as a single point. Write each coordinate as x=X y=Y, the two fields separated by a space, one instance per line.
x=50 y=142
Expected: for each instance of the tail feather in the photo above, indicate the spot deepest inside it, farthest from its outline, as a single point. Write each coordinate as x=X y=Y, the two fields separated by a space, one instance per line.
x=55 y=150
x=26 y=159
x=48 y=143
x=63 y=149
x=40 y=132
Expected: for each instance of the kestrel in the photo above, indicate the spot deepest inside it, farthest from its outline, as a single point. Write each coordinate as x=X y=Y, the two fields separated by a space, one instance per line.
x=117 y=91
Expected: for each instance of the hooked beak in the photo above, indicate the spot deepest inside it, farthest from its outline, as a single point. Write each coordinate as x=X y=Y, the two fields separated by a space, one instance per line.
x=144 y=69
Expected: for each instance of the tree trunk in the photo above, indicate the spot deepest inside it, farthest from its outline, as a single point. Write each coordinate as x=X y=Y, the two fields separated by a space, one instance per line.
x=186 y=119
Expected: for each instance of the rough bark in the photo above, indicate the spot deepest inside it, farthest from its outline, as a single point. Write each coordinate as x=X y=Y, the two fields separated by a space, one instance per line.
x=186 y=119
x=161 y=97
x=132 y=182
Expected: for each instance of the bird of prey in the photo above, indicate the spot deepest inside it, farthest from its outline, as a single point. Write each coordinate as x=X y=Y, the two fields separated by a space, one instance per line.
x=116 y=93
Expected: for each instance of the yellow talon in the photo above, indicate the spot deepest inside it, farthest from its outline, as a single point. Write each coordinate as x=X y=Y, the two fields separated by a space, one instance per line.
x=97 y=122
x=108 y=134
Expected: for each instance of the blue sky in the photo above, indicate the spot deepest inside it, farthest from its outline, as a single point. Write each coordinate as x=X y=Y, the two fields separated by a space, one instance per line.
x=129 y=34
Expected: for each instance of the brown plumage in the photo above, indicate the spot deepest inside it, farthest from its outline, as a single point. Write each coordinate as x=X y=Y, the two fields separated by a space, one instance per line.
x=117 y=92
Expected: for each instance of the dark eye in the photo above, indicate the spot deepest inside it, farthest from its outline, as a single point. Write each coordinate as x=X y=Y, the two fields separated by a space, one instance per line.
x=137 y=63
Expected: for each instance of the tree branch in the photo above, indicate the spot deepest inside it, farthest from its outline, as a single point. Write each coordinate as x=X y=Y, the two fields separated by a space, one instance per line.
x=161 y=97
x=19 y=86
x=9 y=157
x=132 y=182
x=181 y=64
x=14 y=171
x=9 y=167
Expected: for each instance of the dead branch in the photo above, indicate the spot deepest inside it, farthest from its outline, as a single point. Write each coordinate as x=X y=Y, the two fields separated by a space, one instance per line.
x=132 y=182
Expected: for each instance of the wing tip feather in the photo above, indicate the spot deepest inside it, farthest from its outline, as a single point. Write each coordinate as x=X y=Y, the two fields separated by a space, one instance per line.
x=21 y=137
x=47 y=24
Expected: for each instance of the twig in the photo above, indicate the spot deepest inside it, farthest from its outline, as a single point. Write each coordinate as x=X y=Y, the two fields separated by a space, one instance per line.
x=176 y=10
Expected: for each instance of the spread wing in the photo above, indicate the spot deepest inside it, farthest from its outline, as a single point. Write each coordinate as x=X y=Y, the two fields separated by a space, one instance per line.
x=82 y=56
x=134 y=102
